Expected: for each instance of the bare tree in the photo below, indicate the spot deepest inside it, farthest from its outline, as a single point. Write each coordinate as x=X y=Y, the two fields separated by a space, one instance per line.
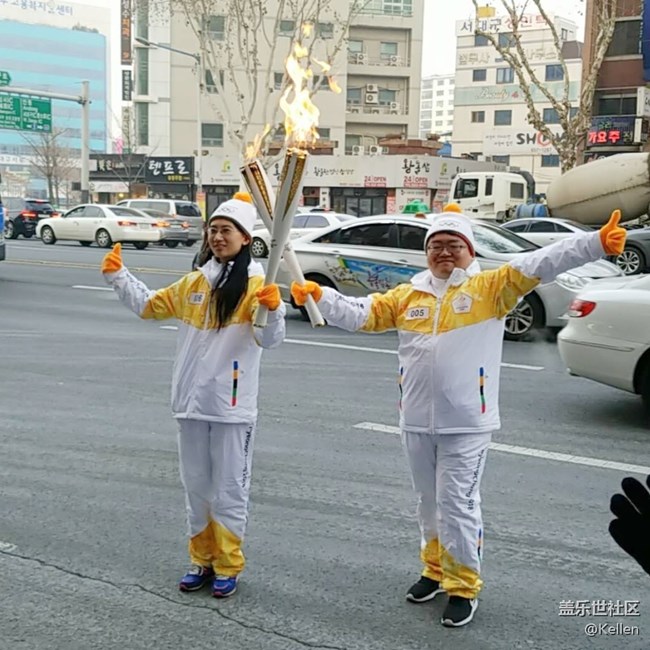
x=238 y=42
x=53 y=161
x=574 y=119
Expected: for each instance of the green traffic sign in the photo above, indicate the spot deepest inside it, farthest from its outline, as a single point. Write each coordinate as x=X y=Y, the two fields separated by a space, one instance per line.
x=20 y=113
x=5 y=78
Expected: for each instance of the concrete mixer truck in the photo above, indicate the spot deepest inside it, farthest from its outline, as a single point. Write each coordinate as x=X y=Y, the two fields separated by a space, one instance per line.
x=586 y=194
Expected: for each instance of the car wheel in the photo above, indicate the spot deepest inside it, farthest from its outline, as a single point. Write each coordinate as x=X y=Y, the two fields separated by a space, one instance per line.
x=323 y=282
x=259 y=248
x=140 y=245
x=85 y=243
x=631 y=261
x=47 y=235
x=190 y=243
x=524 y=319
x=171 y=244
x=10 y=230
x=103 y=239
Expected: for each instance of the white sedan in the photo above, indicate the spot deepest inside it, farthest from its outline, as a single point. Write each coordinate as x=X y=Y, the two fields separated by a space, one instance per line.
x=546 y=230
x=607 y=338
x=103 y=224
x=303 y=224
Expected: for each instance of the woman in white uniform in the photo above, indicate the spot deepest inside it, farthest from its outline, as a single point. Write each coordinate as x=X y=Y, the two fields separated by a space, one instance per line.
x=214 y=384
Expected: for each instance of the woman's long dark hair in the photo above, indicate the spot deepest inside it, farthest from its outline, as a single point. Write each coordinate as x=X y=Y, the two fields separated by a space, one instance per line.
x=232 y=283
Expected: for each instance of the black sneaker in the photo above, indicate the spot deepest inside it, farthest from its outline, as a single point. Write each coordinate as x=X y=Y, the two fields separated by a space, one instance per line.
x=459 y=611
x=424 y=589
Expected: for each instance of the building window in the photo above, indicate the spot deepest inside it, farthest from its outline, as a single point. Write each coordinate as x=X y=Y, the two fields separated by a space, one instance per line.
x=393 y=7
x=478 y=117
x=351 y=142
x=551 y=161
x=210 y=84
x=440 y=93
x=506 y=39
x=215 y=26
x=387 y=52
x=505 y=75
x=616 y=105
x=550 y=116
x=354 y=96
x=481 y=41
x=479 y=75
x=212 y=135
x=554 y=72
x=626 y=39
x=325 y=30
x=499 y=159
x=287 y=27
x=142 y=124
x=564 y=34
x=278 y=79
x=355 y=47
x=324 y=133
x=502 y=118
x=386 y=97
x=142 y=72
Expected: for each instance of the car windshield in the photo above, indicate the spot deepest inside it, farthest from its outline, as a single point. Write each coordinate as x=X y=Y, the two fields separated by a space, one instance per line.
x=493 y=239
x=125 y=212
x=39 y=206
x=187 y=210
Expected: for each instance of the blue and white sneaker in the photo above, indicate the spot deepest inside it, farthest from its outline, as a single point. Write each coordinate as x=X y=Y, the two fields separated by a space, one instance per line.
x=224 y=586
x=197 y=577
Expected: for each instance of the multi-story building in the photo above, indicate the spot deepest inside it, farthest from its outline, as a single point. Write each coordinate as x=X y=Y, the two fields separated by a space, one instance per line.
x=621 y=108
x=490 y=113
x=52 y=46
x=437 y=106
x=379 y=74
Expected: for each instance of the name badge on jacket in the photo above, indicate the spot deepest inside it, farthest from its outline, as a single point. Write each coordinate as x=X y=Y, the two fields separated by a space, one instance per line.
x=415 y=313
x=462 y=304
x=196 y=298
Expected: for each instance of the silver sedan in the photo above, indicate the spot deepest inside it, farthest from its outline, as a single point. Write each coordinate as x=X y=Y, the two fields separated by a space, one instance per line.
x=378 y=253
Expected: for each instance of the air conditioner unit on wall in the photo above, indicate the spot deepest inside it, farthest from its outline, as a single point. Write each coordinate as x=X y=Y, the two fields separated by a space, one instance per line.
x=395 y=107
x=361 y=58
x=394 y=59
x=357 y=150
x=372 y=98
x=354 y=109
x=375 y=150
x=375 y=111
x=372 y=88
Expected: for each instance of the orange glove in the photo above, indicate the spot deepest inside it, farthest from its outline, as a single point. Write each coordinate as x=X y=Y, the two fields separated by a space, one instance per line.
x=612 y=236
x=269 y=296
x=112 y=261
x=301 y=293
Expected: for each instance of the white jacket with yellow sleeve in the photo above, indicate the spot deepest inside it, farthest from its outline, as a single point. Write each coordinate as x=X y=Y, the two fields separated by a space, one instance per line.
x=450 y=347
x=216 y=372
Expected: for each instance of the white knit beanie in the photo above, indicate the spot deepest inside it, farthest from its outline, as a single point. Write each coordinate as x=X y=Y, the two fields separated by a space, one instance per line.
x=240 y=210
x=453 y=221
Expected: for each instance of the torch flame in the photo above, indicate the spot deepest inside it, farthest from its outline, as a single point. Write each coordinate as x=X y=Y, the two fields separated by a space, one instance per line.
x=254 y=148
x=301 y=114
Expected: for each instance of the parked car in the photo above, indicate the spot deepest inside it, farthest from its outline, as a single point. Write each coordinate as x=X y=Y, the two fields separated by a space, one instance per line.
x=607 y=338
x=378 y=253
x=22 y=216
x=636 y=256
x=545 y=231
x=185 y=210
x=103 y=224
x=303 y=224
x=174 y=229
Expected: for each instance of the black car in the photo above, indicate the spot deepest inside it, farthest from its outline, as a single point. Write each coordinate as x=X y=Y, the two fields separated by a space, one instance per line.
x=22 y=215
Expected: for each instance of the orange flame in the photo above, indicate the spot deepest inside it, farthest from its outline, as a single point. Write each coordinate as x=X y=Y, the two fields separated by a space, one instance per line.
x=301 y=114
x=254 y=148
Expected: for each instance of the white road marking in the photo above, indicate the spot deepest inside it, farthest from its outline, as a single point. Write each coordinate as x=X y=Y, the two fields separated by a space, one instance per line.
x=169 y=327
x=90 y=288
x=6 y=547
x=342 y=346
x=534 y=453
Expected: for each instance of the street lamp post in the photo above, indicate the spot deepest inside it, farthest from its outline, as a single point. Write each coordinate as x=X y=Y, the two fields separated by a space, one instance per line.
x=199 y=86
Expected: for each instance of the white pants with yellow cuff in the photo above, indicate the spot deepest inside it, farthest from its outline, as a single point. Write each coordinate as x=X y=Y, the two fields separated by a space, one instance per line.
x=215 y=465
x=446 y=470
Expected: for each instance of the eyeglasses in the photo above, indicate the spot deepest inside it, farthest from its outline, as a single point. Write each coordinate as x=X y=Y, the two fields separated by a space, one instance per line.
x=453 y=247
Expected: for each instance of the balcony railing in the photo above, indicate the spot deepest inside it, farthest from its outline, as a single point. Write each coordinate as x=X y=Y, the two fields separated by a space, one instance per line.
x=393 y=108
x=387 y=9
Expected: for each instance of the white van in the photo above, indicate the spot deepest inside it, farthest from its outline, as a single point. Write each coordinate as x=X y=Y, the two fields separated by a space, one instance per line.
x=186 y=210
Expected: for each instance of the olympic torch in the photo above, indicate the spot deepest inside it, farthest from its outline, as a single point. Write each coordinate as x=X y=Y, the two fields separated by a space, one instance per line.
x=301 y=120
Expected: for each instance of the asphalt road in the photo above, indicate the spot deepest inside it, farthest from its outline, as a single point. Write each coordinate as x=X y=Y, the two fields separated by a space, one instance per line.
x=92 y=519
